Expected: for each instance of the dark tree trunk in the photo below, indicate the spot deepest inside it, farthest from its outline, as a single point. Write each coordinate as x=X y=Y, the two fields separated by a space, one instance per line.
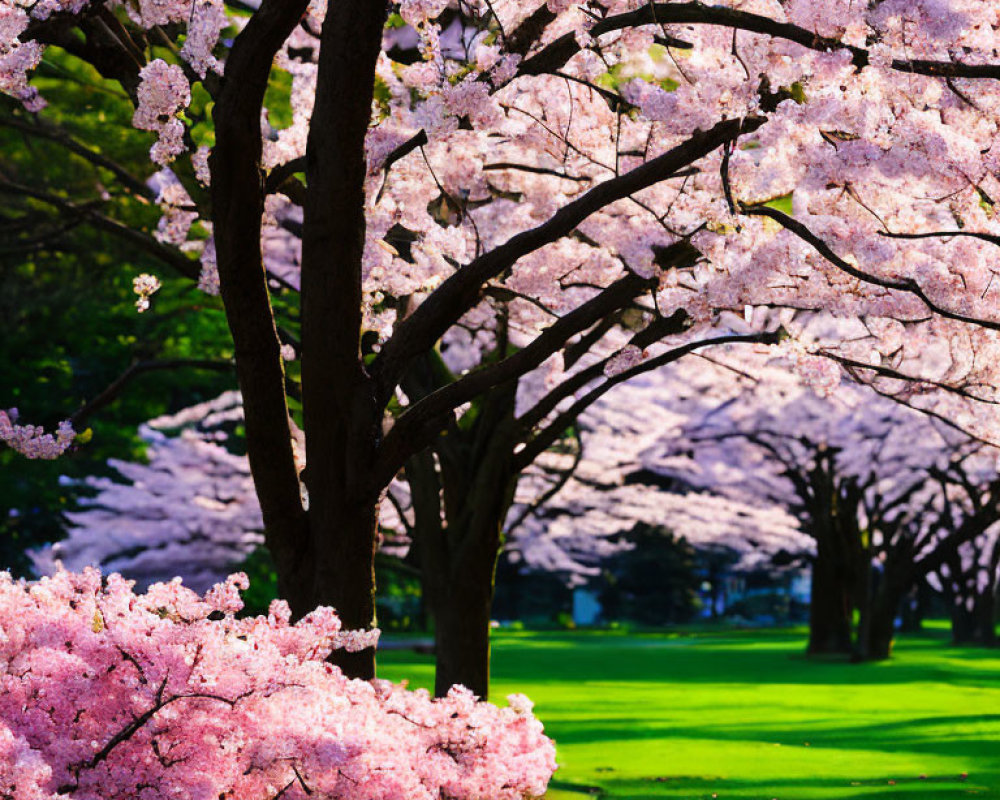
x=973 y=595
x=914 y=608
x=987 y=620
x=830 y=606
x=342 y=416
x=460 y=570
x=344 y=576
x=881 y=630
x=879 y=626
x=462 y=490
x=978 y=624
x=866 y=592
x=962 y=626
x=462 y=619
x=238 y=204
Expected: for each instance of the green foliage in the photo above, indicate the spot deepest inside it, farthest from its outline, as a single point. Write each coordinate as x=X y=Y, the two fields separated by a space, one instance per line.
x=620 y=74
x=783 y=203
x=68 y=323
x=259 y=567
x=744 y=715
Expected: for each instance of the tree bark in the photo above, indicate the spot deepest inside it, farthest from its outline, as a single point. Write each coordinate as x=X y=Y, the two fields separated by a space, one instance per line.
x=461 y=493
x=832 y=599
x=880 y=629
x=343 y=421
x=462 y=613
x=829 y=606
x=238 y=204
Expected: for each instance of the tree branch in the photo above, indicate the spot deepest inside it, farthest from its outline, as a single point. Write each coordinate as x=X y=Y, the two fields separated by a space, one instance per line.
x=55 y=133
x=168 y=255
x=544 y=438
x=461 y=290
x=554 y=55
x=907 y=285
x=115 y=388
x=238 y=206
x=403 y=437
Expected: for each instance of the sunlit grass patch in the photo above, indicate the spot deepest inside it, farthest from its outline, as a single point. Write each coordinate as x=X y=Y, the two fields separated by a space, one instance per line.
x=744 y=715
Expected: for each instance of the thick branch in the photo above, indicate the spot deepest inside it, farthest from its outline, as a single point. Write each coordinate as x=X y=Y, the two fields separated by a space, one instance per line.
x=554 y=55
x=401 y=440
x=907 y=285
x=461 y=291
x=106 y=45
x=654 y=332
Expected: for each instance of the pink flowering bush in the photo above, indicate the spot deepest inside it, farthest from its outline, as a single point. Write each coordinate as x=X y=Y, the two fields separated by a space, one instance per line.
x=108 y=694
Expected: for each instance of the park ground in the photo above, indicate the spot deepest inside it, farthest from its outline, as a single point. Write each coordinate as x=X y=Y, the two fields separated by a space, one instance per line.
x=742 y=715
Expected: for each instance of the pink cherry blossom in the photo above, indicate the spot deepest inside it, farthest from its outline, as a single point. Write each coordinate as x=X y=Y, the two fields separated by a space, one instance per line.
x=168 y=694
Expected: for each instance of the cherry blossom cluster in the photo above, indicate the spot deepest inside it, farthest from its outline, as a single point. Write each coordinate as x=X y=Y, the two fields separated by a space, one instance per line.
x=163 y=93
x=167 y=694
x=31 y=440
x=144 y=285
x=18 y=58
x=188 y=509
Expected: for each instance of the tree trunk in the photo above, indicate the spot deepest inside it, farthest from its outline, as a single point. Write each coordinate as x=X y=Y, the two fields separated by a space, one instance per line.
x=341 y=413
x=830 y=604
x=462 y=625
x=978 y=624
x=881 y=630
x=962 y=627
x=866 y=594
x=461 y=493
x=461 y=569
x=880 y=624
x=915 y=608
x=344 y=576
x=986 y=617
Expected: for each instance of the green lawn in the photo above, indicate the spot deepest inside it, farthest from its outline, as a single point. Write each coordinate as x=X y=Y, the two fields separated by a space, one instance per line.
x=745 y=715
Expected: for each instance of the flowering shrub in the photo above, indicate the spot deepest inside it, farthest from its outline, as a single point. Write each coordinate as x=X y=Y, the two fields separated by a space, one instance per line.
x=105 y=693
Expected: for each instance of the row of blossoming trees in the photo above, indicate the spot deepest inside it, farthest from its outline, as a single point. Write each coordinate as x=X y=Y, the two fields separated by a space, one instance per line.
x=460 y=194
x=884 y=499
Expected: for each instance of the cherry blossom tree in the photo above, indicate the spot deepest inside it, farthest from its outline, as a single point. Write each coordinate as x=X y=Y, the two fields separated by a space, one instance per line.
x=585 y=186
x=876 y=485
x=190 y=511
x=614 y=485
x=166 y=694
x=969 y=575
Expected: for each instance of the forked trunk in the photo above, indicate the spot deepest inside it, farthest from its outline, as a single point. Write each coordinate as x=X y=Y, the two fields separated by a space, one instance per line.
x=460 y=575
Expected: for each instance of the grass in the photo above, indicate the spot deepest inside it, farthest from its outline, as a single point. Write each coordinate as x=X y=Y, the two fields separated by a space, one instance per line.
x=742 y=715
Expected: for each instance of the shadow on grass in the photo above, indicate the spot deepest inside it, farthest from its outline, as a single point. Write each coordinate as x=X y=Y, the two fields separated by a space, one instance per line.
x=903 y=736
x=693 y=787
x=707 y=660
